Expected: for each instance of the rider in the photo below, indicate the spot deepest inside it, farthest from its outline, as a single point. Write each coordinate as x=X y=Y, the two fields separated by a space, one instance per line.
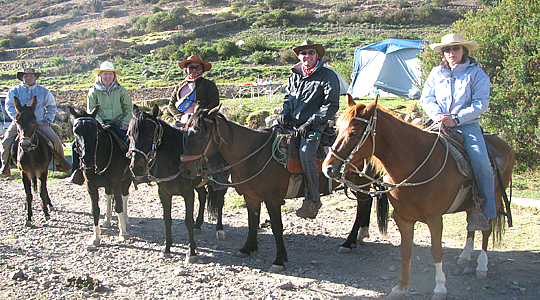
x=311 y=99
x=193 y=90
x=113 y=100
x=45 y=113
x=456 y=93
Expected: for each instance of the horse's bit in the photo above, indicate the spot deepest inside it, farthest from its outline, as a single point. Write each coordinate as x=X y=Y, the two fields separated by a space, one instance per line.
x=94 y=122
x=34 y=141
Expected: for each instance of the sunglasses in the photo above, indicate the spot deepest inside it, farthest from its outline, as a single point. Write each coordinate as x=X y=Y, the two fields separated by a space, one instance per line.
x=455 y=48
x=305 y=52
x=198 y=67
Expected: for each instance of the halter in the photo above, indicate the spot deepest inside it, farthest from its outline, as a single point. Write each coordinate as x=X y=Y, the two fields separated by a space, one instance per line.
x=93 y=121
x=34 y=141
x=370 y=131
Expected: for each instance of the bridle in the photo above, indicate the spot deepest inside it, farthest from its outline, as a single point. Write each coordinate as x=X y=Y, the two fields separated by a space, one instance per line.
x=370 y=131
x=33 y=140
x=93 y=121
x=150 y=157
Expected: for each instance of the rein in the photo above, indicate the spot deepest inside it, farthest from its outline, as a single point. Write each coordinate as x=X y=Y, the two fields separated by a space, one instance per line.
x=34 y=141
x=150 y=158
x=93 y=121
x=370 y=131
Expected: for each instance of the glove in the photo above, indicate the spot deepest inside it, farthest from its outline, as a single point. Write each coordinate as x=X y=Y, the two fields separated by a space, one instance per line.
x=304 y=129
x=283 y=120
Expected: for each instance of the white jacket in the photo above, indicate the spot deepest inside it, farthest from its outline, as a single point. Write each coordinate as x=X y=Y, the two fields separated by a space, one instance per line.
x=462 y=92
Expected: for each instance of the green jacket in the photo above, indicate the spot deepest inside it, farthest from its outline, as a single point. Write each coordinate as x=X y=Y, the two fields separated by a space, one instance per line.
x=111 y=104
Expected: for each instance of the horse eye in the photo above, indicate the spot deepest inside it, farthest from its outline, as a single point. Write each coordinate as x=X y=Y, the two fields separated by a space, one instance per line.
x=353 y=133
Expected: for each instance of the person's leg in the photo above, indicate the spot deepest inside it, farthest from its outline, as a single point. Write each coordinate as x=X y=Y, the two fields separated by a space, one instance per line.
x=61 y=163
x=7 y=140
x=76 y=172
x=483 y=172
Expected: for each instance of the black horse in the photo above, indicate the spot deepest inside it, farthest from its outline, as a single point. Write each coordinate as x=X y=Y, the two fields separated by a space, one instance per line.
x=33 y=154
x=155 y=149
x=105 y=165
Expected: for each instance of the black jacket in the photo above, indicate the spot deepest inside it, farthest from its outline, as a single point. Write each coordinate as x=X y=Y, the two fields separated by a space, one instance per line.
x=313 y=99
x=206 y=93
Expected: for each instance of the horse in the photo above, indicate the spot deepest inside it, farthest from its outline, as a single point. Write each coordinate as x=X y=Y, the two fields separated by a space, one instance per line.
x=33 y=156
x=256 y=173
x=156 y=146
x=104 y=164
x=421 y=186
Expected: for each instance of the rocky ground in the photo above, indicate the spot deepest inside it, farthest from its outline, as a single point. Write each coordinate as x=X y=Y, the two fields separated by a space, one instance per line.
x=50 y=260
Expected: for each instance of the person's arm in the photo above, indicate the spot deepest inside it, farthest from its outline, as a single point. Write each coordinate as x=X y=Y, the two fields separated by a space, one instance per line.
x=286 y=101
x=428 y=100
x=127 y=106
x=9 y=106
x=49 y=104
x=330 y=104
x=91 y=101
x=212 y=93
x=480 y=87
x=172 y=104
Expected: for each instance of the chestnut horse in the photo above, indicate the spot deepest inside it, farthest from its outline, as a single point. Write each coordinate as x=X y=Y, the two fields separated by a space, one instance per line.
x=33 y=156
x=422 y=186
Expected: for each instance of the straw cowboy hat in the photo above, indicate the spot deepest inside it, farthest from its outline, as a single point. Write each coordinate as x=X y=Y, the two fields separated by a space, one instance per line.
x=307 y=44
x=195 y=59
x=106 y=66
x=453 y=39
x=28 y=71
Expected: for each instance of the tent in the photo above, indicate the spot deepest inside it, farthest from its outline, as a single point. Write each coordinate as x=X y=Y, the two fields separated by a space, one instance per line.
x=343 y=85
x=391 y=66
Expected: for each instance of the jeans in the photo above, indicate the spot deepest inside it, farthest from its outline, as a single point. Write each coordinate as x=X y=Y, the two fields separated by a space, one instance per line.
x=308 y=159
x=483 y=172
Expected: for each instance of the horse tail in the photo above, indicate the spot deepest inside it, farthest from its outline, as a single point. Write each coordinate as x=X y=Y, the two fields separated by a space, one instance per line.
x=215 y=202
x=498 y=229
x=35 y=184
x=382 y=210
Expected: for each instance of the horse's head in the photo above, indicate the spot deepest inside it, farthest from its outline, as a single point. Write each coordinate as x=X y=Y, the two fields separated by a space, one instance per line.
x=26 y=123
x=85 y=131
x=144 y=134
x=201 y=140
x=355 y=138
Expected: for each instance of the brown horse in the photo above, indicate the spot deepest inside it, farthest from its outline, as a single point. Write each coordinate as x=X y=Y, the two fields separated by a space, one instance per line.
x=422 y=186
x=33 y=156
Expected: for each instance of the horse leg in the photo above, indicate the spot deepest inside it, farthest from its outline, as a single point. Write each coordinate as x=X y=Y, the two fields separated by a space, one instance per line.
x=274 y=210
x=119 y=209
x=45 y=200
x=360 y=229
x=465 y=256
x=216 y=200
x=28 y=190
x=166 y=203
x=108 y=214
x=406 y=230
x=125 y=196
x=94 y=196
x=201 y=195
x=435 y=228
x=254 y=217
x=482 y=267
x=189 y=199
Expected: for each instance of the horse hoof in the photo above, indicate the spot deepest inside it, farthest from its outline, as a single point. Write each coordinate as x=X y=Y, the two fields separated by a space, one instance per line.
x=438 y=296
x=123 y=237
x=469 y=270
x=92 y=244
x=28 y=223
x=241 y=254
x=344 y=250
x=47 y=218
x=191 y=259
x=276 y=269
x=481 y=274
x=397 y=293
x=107 y=224
x=463 y=261
x=220 y=235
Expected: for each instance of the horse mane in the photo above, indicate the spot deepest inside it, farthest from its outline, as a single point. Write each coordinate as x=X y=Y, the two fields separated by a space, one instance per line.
x=196 y=121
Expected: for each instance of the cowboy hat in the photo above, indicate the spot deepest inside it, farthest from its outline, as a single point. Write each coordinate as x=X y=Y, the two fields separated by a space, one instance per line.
x=453 y=39
x=307 y=44
x=106 y=66
x=27 y=71
x=195 y=59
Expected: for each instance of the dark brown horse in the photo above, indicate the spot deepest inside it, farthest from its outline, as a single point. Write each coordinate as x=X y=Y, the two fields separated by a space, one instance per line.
x=255 y=173
x=104 y=164
x=155 y=149
x=33 y=156
x=422 y=186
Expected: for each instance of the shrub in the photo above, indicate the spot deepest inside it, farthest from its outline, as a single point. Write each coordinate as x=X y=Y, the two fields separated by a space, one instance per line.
x=18 y=41
x=441 y=3
x=57 y=61
x=208 y=51
x=288 y=56
x=226 y=48
x=208 y=2
x=401 y=3
x=255 y=43
x=5 y=43
x=109 y=13
x=344 y=6
x=155 y=9
x=261 y=57
x=191 y=49
x=161 y=21
x=39 y=24
x=275 y=4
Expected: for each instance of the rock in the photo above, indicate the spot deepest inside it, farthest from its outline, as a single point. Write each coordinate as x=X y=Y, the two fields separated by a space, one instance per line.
x=285 y=285
x=17 y=275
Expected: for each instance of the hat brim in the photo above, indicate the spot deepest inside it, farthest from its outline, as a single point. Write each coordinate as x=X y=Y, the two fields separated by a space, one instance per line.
x=97 y=71
x=20 y=75
x=207 y=65
x=438 y=46
x=318 y=47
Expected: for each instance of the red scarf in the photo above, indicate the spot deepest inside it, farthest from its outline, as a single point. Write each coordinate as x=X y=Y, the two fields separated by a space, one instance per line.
x=310 y=70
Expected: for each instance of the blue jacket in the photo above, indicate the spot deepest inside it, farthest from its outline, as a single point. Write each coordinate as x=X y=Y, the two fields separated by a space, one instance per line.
x=462 y=91
x=46 y=105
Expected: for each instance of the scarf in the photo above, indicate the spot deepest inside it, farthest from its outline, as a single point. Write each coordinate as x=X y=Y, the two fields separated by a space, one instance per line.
x=308 y=72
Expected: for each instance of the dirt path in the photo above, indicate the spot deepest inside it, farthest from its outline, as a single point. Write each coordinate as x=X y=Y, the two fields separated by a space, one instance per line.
x=50 y=253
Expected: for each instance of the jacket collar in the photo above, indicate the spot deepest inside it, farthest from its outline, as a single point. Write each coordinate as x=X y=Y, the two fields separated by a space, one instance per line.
x=298 y=68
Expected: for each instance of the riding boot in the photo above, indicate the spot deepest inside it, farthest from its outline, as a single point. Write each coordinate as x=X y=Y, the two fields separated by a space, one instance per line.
x=6 y=171
x=477 y=221
x=77 y=177
x=62 y=165
x=309 y=209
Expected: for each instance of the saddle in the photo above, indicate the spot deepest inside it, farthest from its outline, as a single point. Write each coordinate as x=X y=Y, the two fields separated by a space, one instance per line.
x=124 y=147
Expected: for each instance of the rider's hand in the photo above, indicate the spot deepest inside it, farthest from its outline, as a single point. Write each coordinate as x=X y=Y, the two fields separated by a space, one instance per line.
x=45 y=123
x=304 y=129
x=124 y=127
x=447 y=120
x=283 y=120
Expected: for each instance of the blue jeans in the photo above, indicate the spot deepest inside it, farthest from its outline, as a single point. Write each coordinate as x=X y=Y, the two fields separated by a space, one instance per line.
x=483 y=172
x=308 y=159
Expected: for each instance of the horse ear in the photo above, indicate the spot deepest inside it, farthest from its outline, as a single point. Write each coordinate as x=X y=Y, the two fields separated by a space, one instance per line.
x=17 y=103
x=73 y=112
x=94 y=111
x=155 y=111
x=135 y=111
x=33 y=103
x=370 y=108
x=214 y=111
x=350 y=100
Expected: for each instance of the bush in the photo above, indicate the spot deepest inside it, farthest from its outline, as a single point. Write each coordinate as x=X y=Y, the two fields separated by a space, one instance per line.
x=109 y=13
x=441 y=3
x=161 y=21
x=18 y=41
x=275 y=4
x=5 y=43
x=261 y=57
x=344 y=6
x=155 y=9
x=39 y=24
x=255 y=43
x=278 y=17
x=191 y=49
x=208 y=2
x=288 y=56
x=57 y=61
x=226 y=48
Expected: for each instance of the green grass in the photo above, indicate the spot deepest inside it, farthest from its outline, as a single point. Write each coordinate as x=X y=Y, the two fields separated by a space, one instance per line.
x=526 y=185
